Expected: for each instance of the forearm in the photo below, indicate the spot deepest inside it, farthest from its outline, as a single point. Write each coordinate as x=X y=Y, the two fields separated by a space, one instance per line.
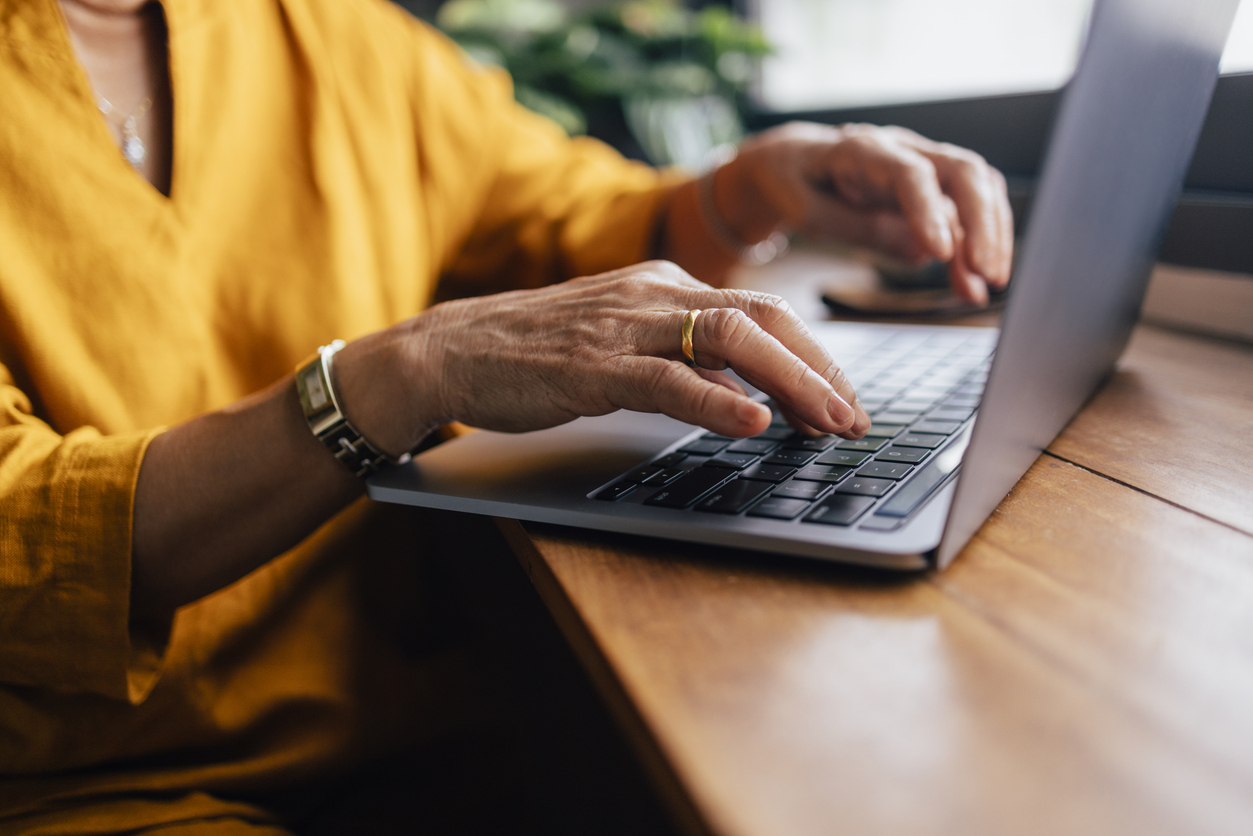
x=220 y=495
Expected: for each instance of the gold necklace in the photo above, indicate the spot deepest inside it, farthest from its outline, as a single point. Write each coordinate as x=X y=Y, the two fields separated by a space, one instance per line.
x=132 y=146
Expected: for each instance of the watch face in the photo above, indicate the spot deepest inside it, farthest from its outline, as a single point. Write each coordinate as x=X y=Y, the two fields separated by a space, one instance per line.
x=314 y=388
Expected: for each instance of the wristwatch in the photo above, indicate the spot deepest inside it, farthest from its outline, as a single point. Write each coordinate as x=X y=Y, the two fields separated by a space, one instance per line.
x=326 y=419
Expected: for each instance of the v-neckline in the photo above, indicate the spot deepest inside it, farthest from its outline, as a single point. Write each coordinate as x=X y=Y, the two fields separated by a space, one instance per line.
x=89 y=99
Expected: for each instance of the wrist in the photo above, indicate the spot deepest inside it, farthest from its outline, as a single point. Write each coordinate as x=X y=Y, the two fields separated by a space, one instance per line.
x=378 y=396
x=741 y=203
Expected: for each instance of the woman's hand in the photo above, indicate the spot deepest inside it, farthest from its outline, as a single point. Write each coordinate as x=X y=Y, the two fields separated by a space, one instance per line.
x=888 y=189
x=537 y=358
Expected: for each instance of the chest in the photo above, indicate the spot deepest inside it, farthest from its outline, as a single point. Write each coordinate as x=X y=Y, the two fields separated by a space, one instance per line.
x=294 y=217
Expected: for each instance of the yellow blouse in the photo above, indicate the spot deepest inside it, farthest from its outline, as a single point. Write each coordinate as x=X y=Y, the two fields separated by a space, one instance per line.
x=333 y=160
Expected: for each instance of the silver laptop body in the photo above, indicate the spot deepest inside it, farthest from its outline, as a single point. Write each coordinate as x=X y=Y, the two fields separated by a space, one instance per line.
x=1117 y=156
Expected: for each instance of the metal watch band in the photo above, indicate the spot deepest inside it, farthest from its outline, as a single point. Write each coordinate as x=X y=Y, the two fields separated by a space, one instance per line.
x=326 y=419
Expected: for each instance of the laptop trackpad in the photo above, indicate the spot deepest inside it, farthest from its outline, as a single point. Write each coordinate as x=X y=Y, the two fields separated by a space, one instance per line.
x=566 y=461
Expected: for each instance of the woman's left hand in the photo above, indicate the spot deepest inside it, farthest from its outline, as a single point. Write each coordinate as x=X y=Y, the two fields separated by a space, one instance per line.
x=888 y=189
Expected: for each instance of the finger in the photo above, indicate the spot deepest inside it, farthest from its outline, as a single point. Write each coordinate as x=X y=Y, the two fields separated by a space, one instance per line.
x=979 y=191
x=774 y=316
x=772 y=355
x=884 y=231
x=657 y=270
x=967 y=180
x=965 y=282
x=799 y=425
x=730 y=336
x=1005 y=219
x=722 y=380
x=904 y=172
x=653 y=384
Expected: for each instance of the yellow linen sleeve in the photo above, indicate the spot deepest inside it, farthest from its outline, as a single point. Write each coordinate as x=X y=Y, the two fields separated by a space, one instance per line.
x=539 y=206
x=65 y=555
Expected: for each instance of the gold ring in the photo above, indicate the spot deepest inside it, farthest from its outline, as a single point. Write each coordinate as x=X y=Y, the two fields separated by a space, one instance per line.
x=689 y=322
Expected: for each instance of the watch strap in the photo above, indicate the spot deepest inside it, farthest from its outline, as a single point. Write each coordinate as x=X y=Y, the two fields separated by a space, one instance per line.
x=326 y=419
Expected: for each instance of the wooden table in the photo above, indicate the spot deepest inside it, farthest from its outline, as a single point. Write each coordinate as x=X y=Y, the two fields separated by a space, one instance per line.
x=1085 y=666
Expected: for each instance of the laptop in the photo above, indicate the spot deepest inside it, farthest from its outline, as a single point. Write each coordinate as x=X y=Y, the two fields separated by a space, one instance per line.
x=959 y=414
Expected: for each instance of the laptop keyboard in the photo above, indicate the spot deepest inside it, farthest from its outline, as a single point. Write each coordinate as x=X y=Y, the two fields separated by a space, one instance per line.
x=921 y=391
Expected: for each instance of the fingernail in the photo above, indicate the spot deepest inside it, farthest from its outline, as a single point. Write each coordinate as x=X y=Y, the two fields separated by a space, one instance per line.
x=943 y=236
x=839 y=409
x=748 y=410
x=979 y=286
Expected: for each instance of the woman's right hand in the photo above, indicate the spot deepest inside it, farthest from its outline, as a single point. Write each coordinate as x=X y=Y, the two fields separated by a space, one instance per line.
x=517 y=361
x=531 y=359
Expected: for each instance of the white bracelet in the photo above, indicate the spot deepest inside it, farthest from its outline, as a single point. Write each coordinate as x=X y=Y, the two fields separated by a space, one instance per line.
x=763 y=252
x=326 y=419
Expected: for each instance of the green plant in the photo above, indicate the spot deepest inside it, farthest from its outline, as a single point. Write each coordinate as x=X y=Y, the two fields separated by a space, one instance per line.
x=572 y=67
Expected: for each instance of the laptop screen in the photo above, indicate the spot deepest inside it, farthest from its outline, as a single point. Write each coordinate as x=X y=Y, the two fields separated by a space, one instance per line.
x=1126 y=130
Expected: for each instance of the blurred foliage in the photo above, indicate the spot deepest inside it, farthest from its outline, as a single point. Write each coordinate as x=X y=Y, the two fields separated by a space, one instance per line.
x=571 y=66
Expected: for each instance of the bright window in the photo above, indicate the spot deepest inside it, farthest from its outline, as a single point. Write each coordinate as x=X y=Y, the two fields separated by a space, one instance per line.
x=847 y=53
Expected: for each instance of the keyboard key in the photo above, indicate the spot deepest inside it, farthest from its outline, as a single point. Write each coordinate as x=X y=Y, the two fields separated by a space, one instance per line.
x=949 y=413
x=807 y=491
x=944 y=376
x=883 y=430
x=846 y=458
x=966 y=401
x=913 y=439
x=737 y=461
x=815 y=445
x=823 y=473
x=940 y=427
x=704 y=447
x=669 y=460
x=970 y=389
x=894 y=416
x=755 y=446
x=865 y=486
x=779 y=508
x=885 y=390
x=792 y=458
x=642 y=474
x=617 y=491
x=913 y=404
x=663 y=477
x=690 y=488
x=775 y=433
x=885 y=470
x=840 y=510
x=733 y=497
x=877 y=523
x=866 y=445
x=768 y=472
x=909 y=455
x=914 y=492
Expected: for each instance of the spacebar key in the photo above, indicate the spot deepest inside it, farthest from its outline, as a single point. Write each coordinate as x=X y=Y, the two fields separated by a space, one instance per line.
x=914 y=492
x=690 y=488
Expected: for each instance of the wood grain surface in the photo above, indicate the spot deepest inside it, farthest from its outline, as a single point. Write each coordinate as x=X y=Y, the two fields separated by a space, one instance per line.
x=1084 y=667
x=1176 y=419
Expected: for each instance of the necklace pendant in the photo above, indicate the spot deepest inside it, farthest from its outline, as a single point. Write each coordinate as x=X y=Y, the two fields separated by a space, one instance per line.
x=134 y=151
